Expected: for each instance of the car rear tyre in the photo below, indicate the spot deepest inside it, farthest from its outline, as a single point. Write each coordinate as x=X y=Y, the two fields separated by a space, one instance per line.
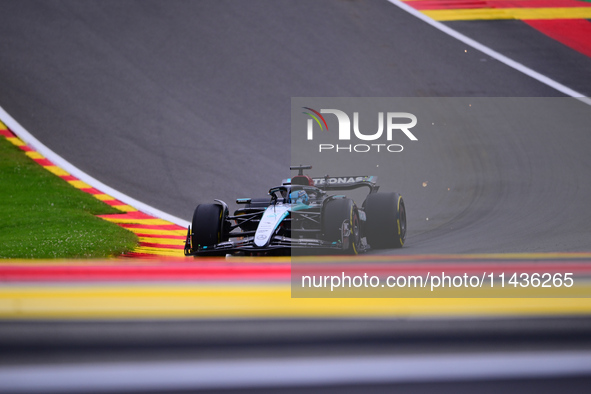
x=207 y=228
x=386 y=220
x=335 y=213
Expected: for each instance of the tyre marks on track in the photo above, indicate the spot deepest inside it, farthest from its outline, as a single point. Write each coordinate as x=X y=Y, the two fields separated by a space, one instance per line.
x=157 y=237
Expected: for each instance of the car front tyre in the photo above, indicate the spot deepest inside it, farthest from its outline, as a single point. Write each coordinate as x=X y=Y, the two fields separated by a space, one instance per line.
x=207 y=228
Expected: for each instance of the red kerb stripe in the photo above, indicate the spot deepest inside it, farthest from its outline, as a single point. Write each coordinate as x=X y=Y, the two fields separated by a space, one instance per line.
x=574 y=33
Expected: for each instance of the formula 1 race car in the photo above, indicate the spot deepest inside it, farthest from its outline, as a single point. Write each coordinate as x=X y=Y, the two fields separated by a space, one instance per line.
x=301 y=214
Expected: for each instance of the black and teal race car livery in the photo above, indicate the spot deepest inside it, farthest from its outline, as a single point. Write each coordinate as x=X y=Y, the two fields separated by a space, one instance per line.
x=301 y=213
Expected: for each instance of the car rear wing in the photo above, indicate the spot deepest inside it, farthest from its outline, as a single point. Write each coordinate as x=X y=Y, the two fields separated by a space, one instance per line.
x=347 y=182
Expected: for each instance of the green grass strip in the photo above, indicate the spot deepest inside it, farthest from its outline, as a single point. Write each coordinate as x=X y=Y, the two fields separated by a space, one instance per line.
x=43 y=216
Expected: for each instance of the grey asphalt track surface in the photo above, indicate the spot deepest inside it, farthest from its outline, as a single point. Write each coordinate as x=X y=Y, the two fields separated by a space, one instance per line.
x=532 y=49
x=180 y=102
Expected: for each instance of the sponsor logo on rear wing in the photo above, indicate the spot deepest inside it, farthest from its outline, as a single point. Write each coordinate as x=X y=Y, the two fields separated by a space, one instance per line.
x=345 y=180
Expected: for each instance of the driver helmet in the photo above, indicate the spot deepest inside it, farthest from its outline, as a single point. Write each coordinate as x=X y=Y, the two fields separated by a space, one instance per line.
x=299 y=197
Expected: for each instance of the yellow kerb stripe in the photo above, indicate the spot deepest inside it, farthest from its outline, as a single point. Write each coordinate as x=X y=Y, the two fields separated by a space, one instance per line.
x=16 y=141
x=103 y=197
x=164 y=241
x=255 y=301
x=509 y=13
x=34 y=155
x=160 y=251
x=125 y=208
x=56 y=170
x=79 y=184
x=139 y=221
x=157 y=232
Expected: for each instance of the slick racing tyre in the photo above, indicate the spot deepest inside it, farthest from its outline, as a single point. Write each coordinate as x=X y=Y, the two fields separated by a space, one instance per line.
x=335 y=213
x=386 y=220
x=207 y=228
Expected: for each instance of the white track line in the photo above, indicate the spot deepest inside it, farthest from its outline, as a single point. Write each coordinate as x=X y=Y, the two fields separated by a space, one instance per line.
x=250 y=373
x=496 y=55
x=27 y=137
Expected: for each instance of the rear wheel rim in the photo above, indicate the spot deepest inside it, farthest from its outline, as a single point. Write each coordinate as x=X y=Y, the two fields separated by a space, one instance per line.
x=402 y=216
x=355 y=231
